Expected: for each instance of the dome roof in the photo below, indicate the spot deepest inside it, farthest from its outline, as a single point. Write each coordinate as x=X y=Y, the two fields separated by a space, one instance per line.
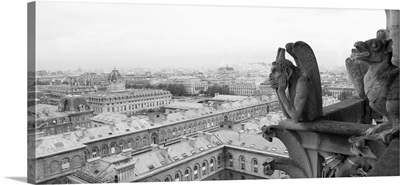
x=115 y=76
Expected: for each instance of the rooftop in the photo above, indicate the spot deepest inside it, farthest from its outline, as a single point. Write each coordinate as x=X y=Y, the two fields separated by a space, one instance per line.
x=184 y=105
x=135 y=92
x=160 y=156
x=230 y=97
x=117 y=125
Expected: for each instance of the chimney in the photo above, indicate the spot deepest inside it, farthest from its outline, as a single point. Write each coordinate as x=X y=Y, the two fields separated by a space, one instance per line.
x=156 y=117
x=208 y=136
x=164 y=151
x=127 y=152
x=192 y=142
x=199 y=133
x=129 y=121
x=182 y=138
x=93 y=162
x=67 y=135
x=154 y=147
x=241 y=135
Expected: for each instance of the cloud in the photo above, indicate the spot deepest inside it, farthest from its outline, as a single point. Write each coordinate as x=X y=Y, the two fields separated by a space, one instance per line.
x=72 y=35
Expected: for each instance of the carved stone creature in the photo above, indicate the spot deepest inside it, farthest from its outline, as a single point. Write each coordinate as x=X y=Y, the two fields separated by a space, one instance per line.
x=380 y=83
x=303 y=101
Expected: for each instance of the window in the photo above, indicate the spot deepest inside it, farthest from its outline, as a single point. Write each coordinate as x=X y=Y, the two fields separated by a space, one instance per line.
x=113 y=148
x=195 y=169
x=166 y=179
x=203 y=169
x=255 y=166
x=137 y=143
x=104 y=151
x=230 y=160
x=242 y=162
x=177 y=177
x=144 y=140
x=219 y=161
x=211 y=165
x=187 y=175
x=65 y=164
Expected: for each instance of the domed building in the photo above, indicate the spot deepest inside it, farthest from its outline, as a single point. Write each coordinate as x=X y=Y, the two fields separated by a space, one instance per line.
x=116 y=81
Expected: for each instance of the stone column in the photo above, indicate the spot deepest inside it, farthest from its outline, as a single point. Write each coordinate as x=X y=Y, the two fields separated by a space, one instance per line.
x=392 y=25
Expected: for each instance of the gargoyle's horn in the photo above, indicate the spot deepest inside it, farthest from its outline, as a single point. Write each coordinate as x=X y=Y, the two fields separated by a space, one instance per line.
x=280 y=54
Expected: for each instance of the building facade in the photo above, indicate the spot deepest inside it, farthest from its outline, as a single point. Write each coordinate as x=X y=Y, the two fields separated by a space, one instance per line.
x=129 y=102
x=192 y=84
x=336 y=90
x=243 y=89
x=56 y=92
x=135 y=134
x=72 y=112
x=265 y=89
x=246 y=86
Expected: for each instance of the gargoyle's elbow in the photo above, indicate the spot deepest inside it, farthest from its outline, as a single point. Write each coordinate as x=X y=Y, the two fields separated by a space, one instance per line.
x=296 y=118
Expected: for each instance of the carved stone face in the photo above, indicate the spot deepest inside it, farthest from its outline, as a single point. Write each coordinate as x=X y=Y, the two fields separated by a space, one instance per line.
x=371 y=51
x=275 y=75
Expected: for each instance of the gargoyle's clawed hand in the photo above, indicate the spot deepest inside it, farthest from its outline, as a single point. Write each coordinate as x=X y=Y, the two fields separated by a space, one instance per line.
x=282 y=84
x=371 y=130
x=388 y=135
x=378 y=128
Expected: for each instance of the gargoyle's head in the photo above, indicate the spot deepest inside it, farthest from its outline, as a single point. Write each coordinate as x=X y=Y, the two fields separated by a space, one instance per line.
x=282 y=69
x=372 y=51
x=269 y=166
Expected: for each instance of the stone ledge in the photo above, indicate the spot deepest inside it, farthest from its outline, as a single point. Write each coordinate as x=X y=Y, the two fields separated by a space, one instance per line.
x=326 y=127
x=350 y=110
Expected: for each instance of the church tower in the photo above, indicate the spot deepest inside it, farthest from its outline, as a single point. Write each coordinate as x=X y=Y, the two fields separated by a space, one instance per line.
x=116 y=82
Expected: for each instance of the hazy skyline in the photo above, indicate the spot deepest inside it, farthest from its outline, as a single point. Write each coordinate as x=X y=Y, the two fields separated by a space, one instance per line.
x=103 y=35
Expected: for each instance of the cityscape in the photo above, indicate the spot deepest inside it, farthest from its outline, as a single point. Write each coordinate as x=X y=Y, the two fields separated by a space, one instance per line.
x=126 y=121
x=209 y=118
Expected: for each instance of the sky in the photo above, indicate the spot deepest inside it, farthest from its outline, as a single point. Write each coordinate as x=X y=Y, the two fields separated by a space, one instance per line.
x=70 y=35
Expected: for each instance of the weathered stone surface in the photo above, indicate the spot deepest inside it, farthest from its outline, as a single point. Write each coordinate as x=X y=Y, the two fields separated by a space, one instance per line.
x=381 y=82
x=303 y=101
x=388 y=163
x=392 y=25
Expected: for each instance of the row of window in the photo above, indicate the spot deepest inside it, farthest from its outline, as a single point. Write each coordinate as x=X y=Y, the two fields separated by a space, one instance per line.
x=206 y=168
x=138 y=142
x=134 y=107
x=242 y=164
x=198 y=172
x=129 y=97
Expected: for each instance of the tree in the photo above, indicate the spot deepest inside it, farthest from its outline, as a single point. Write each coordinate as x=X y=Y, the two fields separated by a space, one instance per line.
x=217 y=89
x=344 y=95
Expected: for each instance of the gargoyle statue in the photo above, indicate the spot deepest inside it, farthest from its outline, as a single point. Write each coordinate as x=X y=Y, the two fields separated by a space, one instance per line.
x=303 y=101
x=380 y=83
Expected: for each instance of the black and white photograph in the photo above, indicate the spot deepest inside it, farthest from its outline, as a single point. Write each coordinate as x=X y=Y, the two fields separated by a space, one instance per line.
x=137 y=92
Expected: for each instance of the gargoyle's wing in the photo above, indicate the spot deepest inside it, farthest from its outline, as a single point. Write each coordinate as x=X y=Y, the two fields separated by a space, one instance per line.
x=356 y=71
x=393 y=92
x=306 y=61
